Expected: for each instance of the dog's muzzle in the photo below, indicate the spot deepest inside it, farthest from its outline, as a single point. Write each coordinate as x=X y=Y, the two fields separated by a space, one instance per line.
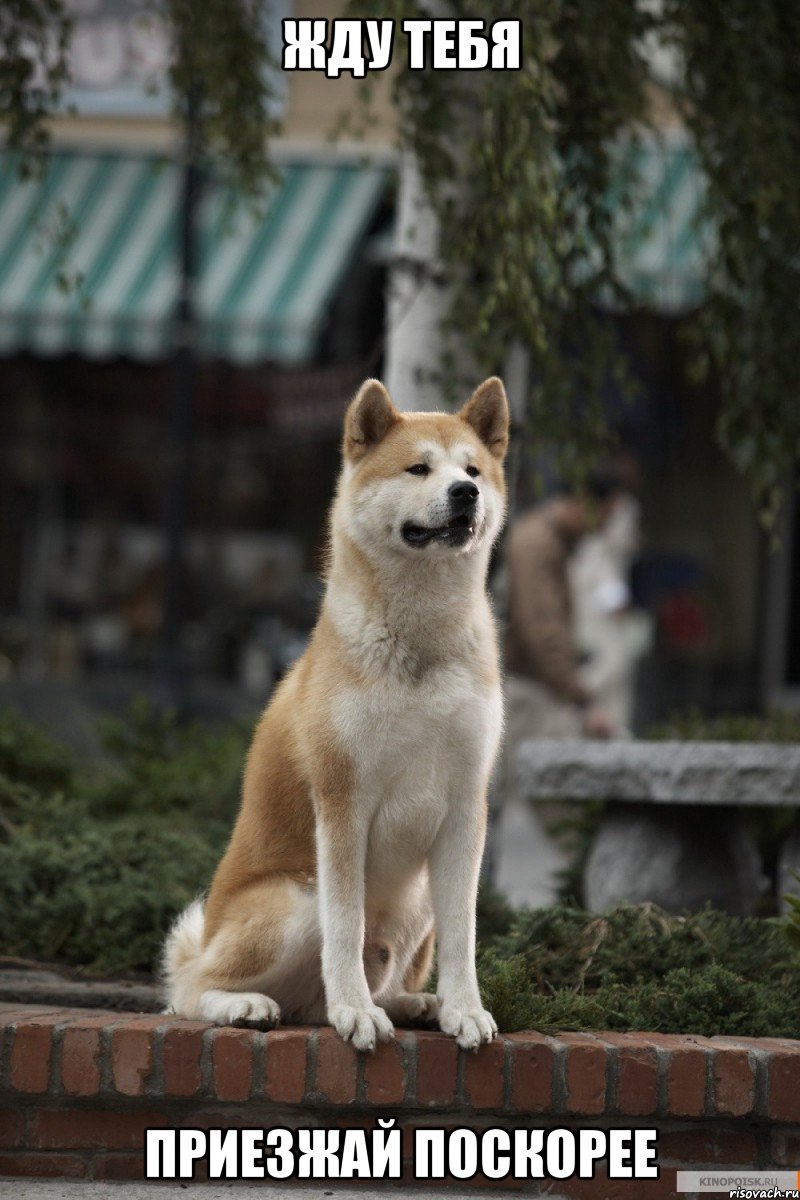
x=462 y=498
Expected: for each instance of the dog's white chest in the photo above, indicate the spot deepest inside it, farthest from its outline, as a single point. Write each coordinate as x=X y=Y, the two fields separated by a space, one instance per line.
x=415 y=750
x=392 y=731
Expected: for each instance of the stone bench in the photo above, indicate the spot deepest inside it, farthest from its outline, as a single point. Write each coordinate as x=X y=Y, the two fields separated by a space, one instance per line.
x=672 y=832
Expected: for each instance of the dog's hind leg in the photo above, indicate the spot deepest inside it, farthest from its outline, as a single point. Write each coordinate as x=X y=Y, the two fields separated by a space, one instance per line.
x=252 y=1009
x=411 y=1003
x=419 y=968
x=261 y=959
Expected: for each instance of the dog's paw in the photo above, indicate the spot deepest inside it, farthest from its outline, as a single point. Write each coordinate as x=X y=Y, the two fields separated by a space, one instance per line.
x=413 y=1006
x=469 y=1026
x=250 y=1009
x=364 y=1027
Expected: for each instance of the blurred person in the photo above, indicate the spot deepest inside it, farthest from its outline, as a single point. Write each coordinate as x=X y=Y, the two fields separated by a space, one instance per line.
x=547 y=695
x=611 y=634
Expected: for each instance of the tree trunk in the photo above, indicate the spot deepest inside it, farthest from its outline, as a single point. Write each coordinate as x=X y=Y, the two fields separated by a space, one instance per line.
x=417 y=300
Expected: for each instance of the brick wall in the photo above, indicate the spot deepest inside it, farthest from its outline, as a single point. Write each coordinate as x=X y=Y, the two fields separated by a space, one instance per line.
x=79 y=1087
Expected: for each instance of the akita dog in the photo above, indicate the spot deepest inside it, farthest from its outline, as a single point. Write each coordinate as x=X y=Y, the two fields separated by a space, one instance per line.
x=363 y=814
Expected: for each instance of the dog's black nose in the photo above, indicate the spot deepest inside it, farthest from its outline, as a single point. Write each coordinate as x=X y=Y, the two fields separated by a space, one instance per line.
x=462 y=494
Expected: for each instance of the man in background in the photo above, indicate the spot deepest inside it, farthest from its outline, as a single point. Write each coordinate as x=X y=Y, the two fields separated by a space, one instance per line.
x=612 y=632
x=546 y=695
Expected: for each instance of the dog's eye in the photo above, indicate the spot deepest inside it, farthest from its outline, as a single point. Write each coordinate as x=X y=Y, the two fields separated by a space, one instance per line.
x=419 y=469
x=472 y=471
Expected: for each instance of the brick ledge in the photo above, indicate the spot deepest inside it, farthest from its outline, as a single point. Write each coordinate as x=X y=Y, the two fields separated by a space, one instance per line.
x=78 y=1086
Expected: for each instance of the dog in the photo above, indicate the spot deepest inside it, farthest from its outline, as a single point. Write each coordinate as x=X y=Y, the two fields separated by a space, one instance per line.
x=363 y=812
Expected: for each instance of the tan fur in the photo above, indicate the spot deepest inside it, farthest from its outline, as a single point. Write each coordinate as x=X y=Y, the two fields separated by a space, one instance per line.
x=304 y=770
x=418 y=973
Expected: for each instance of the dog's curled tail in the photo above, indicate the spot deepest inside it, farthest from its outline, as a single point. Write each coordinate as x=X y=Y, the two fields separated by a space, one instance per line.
x=182 y=950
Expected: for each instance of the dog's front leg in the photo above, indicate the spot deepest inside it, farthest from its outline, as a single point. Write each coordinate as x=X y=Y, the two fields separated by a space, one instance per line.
x=454 y=866
x=341 y=856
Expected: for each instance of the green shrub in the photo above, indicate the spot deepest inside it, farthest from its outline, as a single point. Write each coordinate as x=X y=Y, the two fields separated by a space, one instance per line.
x=710 y=1002
x=792 y=923
x=692 y=725
x=95 y=863
x=100 y=894
x=637 y=968
x=160 y=765
x=30 y=756
x=96 y=860
x=567 y=947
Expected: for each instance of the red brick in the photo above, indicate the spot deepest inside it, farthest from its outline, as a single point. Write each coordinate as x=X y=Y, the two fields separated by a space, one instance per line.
x=637 y=1074
x=78 y=1129
x=131 y=1059
x=51 y=1166
x=118 y=1166
x=385 y=1072
x=228 y=1117
x=785 y=1147
x=708 y=1146
x=12 y=1128
x=600 y=1187
x=448 y=1122
x=345 y=1121
x=182 y=1049
x=585 y=1074
x=285 y=1080
x=92 y=1018
x=532 y=1058
x=80 y=1061
x=687 y=1072
x=407 y=1129
x=734 y=1083
x=437 y=1058
x=31 y=1054
x=784 y=1085
x=232 y=1063
x=200 y=1170
x=336 y=1068
x=11 y=1013
x=484 y=1075
x=771 y=1044
x=407 y=1180
x=150 y=1022
x=88 y=1018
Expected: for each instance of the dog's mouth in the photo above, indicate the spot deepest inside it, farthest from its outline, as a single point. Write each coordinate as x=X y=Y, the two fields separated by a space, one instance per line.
x=456 y=532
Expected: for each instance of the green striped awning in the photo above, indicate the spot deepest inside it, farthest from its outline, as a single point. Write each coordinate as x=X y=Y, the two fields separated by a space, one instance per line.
x=663 y=246
x=88 y=257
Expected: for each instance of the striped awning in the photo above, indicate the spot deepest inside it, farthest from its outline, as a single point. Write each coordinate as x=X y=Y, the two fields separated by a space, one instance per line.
x=663 y=245
x=88 y=257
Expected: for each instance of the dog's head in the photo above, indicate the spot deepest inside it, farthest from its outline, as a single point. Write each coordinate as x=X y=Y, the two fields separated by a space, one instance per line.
x=424 y=484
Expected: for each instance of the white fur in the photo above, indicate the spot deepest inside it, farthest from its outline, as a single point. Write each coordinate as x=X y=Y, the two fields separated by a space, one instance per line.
x=422 y=728
x=423 y=749
x=238 y=1008
x=185 y=941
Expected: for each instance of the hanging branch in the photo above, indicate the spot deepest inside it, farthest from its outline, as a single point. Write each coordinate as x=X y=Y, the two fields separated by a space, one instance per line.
x=226 y=43
x=225 y=40
x=518 y=166
x=34 y=40
x=742 y=80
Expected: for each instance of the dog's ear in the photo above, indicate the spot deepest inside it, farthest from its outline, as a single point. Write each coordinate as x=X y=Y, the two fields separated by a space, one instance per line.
x=369 y=418
x=487 y=412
